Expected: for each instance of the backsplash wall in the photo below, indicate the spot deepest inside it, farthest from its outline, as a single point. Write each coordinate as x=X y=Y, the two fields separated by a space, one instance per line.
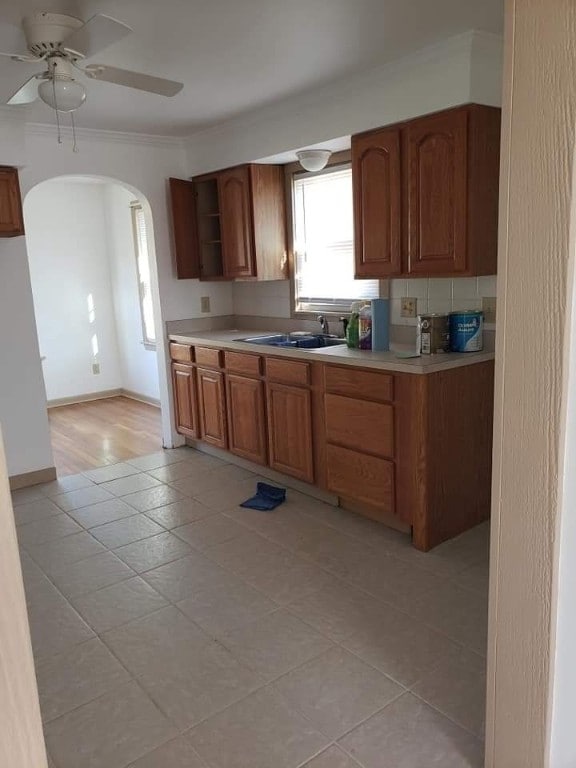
x=435 y=294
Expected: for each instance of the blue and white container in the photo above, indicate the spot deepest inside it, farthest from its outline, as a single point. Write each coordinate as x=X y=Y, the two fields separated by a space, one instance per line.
x=466 y=331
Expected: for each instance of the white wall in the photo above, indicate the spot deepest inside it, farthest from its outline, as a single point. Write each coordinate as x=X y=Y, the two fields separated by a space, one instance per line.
x=68 y=257
x=22 y=397
x=138 y=365
x=80 y=243
x=462 y=69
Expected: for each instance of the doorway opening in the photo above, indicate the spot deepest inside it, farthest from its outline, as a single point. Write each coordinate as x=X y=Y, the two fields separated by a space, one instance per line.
x=90 y=246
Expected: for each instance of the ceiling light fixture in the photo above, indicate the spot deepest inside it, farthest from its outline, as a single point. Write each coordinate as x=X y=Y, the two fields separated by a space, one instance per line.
x=313 y=159
x=59 y=89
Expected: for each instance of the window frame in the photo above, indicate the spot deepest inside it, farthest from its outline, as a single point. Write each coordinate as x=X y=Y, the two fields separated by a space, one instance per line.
x=136 y=206
x=291 y=170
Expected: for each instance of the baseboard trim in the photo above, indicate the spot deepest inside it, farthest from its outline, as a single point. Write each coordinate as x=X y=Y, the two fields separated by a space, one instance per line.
x=32 y=478
x=103 y=395
x=141 y=398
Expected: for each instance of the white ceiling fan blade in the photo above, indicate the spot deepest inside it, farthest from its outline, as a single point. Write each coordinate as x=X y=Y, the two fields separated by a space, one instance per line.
x=98 y=33
x=23 y=57
x=26 y=94
x=134 y=80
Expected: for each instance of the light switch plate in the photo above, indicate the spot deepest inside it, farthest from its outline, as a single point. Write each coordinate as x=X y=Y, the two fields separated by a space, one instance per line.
x=205 y=304
x=489 y=309
x=95 y=368
x=409 y=307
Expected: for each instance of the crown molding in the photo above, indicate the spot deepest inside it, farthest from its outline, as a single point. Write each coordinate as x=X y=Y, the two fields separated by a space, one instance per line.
x=109 y=137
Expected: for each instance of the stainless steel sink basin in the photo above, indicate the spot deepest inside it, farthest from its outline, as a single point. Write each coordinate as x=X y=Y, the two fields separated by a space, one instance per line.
x=311 y=341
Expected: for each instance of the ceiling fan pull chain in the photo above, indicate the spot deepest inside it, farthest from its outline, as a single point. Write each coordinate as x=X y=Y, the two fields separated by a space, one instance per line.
x=74 y=144
x=57 y=115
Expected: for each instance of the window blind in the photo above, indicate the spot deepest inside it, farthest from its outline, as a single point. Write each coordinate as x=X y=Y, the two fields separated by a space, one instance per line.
x=143 y=267
x=324 y=243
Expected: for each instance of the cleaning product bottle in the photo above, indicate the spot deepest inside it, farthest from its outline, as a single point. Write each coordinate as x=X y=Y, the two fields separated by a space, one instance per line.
x=352 y=329
x=365 y=326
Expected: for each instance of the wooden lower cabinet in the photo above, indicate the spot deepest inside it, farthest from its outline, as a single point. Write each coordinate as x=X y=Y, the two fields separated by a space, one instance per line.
x=212 y=407
x=184 y=388
x=364 y=478
x=290 y=430
x=411 y=450
x=246 y=418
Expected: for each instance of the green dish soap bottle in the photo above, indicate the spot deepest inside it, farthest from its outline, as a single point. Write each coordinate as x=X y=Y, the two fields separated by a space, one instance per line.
x=353 y=329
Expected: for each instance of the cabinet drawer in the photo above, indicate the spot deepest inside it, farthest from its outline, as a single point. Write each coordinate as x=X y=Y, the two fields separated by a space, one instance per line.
x=288 y=371
x=360 y=425
x=369 y=385
x=208 y=357
x=360 y=477
x=244 y=364
x=184 y=353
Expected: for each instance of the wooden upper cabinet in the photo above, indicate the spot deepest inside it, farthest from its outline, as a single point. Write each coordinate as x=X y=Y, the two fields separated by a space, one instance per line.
x=230 y=224
x=426 y=195
x=437 y=193
x=212 y=406
x=377 y=203
x=185 y=399
x=246 y=418
x=184 y=228
x=11 y=219
x=237 y=223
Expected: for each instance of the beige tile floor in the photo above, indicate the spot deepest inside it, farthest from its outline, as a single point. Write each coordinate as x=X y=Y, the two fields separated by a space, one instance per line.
x=174 y=629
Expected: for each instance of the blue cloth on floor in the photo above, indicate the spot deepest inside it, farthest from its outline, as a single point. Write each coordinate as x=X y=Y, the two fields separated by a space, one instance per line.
x=267 y=497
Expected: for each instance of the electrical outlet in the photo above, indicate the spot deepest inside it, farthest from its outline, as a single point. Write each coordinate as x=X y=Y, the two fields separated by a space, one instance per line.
x=489 y=309
x=408 y=307
x=205 y=304
x=95 y=368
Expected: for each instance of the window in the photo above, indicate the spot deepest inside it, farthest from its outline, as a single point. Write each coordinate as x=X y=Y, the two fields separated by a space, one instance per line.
x=143 y=270
x=324 y=243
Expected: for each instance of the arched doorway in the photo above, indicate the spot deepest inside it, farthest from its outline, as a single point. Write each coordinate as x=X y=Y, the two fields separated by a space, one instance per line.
x=92 y=267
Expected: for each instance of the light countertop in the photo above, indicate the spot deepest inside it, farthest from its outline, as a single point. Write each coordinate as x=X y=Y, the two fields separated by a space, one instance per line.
x=385 y=361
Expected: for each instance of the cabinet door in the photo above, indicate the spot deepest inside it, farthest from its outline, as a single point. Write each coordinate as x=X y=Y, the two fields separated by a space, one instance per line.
x=185 y=400
x=212 y=407
x=185 y=230
x=11 y=221
x=437 y=193
x=290 y=431
x=236 y=222
x=246 y=418
x=376 y=180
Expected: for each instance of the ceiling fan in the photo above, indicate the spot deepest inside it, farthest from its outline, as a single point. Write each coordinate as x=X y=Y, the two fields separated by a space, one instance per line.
x=61 y=43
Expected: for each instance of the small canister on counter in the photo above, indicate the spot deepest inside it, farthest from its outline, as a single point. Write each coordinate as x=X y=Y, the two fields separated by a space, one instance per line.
x=466 y=331
x=433 y=334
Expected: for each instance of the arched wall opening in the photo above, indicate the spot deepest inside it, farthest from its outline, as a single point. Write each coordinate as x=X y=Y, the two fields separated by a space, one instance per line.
x=92 y=261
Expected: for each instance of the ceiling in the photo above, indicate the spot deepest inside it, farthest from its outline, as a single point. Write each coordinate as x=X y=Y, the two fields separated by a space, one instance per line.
x=236 y=55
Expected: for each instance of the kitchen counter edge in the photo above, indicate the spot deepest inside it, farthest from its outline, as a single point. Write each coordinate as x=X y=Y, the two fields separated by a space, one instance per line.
x=339 y=355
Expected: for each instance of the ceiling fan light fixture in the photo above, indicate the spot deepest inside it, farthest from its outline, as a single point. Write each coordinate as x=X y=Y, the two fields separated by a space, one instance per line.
x=313 y=159
x=62 y=93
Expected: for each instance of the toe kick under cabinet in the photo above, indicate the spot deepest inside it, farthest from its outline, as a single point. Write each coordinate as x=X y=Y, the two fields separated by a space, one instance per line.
x=401 y=448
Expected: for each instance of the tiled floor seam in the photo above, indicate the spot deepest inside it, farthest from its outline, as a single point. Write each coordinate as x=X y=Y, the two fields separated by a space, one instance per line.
x=446 y=715
x=90 y=591
x=338 y=576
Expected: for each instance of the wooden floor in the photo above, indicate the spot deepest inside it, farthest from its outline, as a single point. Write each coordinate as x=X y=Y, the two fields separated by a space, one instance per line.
x=88 y=435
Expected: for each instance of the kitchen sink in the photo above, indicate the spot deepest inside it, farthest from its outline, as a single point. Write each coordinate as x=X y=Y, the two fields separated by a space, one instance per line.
x=299 y=341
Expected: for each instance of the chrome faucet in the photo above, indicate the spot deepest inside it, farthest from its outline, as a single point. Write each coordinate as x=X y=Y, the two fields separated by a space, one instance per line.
x=324 y=325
